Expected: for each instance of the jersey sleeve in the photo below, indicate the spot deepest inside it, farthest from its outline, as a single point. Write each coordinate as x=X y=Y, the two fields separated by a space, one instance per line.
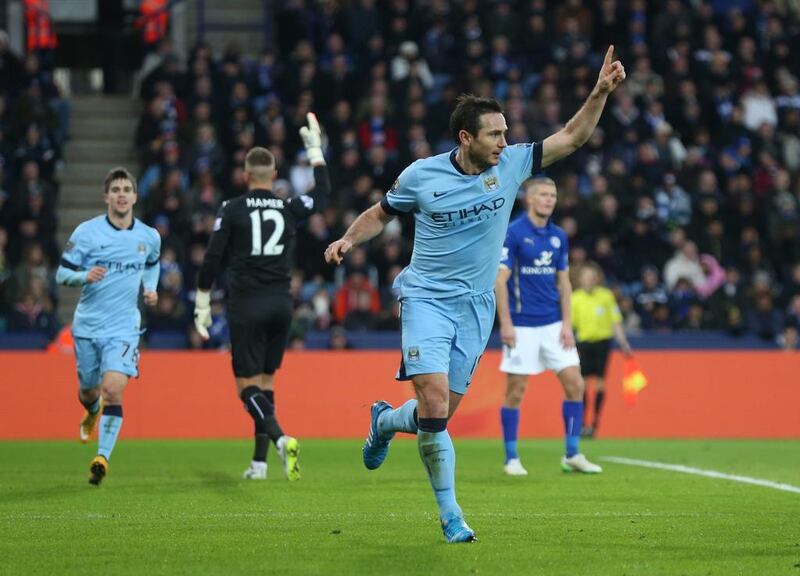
x=524 y=160
x=217 y=246
x=152 y=269
x=402 y=196
x=509 y=253
x=563 y=259
x=317 y=199
x=77 y=249
x=155 y=249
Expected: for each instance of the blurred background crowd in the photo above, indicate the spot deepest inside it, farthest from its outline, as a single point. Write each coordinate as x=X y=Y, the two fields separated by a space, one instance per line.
x=687 y=195
x=34 y=126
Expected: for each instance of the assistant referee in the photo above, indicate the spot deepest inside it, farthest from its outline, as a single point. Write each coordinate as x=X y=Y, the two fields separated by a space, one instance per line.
x=596 y=319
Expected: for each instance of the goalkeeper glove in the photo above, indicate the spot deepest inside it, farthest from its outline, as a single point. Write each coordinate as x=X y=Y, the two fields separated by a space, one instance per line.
x=312 y=140
x=202 y=313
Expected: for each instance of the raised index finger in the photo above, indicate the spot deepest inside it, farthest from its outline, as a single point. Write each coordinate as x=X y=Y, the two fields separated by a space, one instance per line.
x=609 y=55
x=313 y=123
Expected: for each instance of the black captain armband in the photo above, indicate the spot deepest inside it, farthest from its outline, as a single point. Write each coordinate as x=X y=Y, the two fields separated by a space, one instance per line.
x=389 y=209
x=69 y=265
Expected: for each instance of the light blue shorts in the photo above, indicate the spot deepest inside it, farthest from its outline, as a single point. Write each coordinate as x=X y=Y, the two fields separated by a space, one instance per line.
x=445 y=335
x=96 y=356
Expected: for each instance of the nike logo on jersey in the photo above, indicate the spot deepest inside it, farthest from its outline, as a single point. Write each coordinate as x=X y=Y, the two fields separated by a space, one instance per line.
x=437 y=194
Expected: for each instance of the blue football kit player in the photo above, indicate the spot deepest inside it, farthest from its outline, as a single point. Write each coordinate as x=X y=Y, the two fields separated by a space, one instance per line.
x=461 y=202
x=111 y=256
x=534 y=298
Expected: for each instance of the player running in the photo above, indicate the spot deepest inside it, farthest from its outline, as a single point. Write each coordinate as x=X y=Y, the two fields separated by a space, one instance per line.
x=461 y=202
x=111 y=256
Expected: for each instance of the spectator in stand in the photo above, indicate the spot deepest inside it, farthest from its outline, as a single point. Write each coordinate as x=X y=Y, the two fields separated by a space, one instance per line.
x=714 y=276
x=673 y=204
x=409 y=65
x=684 y=264
x=170 y=159
x=36 y=147
x=763 y=319
x=648 y=295
x=34 y=312
x=789 y=339
x=169 y=315
x=355 y=297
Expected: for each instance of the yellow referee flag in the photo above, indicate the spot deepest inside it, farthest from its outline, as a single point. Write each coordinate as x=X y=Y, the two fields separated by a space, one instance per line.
x=633 y=381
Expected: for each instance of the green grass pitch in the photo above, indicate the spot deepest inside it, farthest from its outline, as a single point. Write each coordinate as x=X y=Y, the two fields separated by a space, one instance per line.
x=180 y=507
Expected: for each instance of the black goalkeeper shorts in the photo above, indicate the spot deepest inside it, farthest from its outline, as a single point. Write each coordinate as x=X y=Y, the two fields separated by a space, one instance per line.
x=259 y=332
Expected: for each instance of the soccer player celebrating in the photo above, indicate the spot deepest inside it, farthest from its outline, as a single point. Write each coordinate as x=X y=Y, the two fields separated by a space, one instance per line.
x=461 y=202
x=255 y=234
x=111 y=256
x=534 y=307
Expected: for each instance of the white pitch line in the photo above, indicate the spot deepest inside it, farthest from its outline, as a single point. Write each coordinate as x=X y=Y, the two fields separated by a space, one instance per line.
x=706 y=473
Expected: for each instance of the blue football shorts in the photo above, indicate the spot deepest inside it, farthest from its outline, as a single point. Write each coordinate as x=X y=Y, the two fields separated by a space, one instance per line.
x=445 y=335
x=96 y=356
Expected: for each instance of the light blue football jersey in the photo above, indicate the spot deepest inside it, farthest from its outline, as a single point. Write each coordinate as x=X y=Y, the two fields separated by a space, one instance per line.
x=460 y=218
x=110 y=308
x=534 y=256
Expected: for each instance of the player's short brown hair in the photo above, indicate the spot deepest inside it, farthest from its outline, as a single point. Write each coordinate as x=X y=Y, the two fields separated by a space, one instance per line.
x=468 y=112
x=118 y=173
x=259 y=163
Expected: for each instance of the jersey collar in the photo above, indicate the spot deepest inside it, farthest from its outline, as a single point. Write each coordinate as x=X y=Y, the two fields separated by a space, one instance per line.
x=543 y=230
x=458 y=167
x=115 y=227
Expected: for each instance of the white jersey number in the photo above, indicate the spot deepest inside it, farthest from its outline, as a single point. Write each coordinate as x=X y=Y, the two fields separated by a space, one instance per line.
x=271 y=248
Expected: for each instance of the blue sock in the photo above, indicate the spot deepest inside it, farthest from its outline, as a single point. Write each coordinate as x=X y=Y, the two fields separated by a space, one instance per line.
x=509 y=417
x=439 y=456
x=401 y=419
x=110 y=423
x=573 y=418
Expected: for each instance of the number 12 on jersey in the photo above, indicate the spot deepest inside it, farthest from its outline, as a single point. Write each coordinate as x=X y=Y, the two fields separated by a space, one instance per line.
x=271 y=247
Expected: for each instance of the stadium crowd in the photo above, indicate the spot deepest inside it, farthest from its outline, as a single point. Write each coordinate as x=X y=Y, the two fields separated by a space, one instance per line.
x=687 y=196
x=33 y=128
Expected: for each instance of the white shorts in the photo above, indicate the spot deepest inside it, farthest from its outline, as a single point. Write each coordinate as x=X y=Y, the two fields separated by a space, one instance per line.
x=538 y=349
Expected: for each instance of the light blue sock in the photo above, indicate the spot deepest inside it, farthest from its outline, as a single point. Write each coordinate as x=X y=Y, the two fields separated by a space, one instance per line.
x=439 y=456
x=110 y=424
x=401 y=419
x=572 y=412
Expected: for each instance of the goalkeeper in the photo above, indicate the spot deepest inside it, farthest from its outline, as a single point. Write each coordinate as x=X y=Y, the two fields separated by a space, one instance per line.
x=254 y=234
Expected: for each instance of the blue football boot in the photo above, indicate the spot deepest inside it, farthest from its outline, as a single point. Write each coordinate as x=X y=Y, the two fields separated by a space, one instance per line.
x=377 y=445
x=456 y=530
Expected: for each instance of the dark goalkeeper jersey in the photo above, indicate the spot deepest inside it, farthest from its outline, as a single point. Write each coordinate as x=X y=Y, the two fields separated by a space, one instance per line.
x=255 y=234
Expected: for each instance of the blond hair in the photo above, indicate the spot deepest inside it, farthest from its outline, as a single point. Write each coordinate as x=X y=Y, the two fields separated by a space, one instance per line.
x=260 y=164
x=532 y=183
